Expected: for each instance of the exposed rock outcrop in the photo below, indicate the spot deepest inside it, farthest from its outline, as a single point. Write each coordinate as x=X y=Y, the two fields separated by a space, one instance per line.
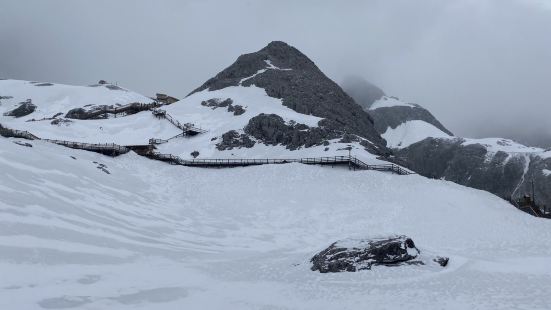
x=232 y=139
x=24 y=109
x=508 y=175
x=215 y=103
x=362 y=254
x=271 y=129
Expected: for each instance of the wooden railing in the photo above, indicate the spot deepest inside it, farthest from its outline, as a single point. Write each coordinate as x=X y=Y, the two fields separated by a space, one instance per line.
x=115 y=149
x=153 y=141
x=188 y=128
x=353 y=162
x=104 y=148
x=13 y=133
x=135 y=106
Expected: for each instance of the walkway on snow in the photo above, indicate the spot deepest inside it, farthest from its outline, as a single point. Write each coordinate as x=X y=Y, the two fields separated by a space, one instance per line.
x=147 y=150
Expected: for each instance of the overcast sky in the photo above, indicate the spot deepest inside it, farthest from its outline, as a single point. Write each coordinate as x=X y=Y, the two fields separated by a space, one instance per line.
x=483 y=67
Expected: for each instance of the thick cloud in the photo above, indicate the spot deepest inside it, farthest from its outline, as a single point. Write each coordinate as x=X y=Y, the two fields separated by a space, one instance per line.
x=481 y=66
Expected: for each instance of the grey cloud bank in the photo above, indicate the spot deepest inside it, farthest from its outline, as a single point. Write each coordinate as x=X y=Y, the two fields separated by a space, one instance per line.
x=482 y=67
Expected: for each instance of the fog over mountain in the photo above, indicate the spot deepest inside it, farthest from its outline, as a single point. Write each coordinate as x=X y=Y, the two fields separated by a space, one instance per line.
x=480 y=66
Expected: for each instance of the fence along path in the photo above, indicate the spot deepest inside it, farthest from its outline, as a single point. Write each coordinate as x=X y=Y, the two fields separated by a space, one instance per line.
x=113 y=149
x=188 y=129
x=134 y=107
x=352 y=162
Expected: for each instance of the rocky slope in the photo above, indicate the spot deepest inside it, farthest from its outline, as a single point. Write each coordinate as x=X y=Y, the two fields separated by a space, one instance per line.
x=422 y=143
x=288 y=75
x=499 y=166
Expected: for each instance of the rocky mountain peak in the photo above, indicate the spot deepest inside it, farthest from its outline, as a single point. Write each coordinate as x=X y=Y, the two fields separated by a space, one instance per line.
x=287 y=74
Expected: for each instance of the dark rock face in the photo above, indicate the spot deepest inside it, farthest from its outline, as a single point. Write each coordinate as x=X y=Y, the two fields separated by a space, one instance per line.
x=301 y=86
x=61 y=121
x=363 y=92
x=505 y=175
x=215 y=103
x=355 y=255
x=272 y=130
x=78 y=113
x=24 y=109
x=236 y=109
x=394 y=116
x=232 y=139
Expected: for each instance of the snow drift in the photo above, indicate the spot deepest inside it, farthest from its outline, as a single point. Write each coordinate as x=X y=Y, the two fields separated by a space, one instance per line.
x=154 y=236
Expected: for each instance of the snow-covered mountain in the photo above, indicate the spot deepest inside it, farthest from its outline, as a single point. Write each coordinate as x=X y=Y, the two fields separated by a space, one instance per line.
x=154 y=236
x=501 y=166
x=271 y=103
x=82 y=230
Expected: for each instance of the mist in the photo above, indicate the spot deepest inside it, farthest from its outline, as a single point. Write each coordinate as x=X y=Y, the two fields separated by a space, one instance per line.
x=482 y=67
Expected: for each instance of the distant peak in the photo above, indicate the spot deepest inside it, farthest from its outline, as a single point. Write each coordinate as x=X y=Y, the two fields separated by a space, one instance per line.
x=278 y=46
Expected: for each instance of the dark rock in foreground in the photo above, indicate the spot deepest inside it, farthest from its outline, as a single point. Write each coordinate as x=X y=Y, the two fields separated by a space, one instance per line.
x=361 y=254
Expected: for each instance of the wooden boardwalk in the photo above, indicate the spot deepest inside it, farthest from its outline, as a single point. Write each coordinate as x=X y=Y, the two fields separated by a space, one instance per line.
x=188 y=129
x=13 y=133
x=352 y=162
x=147 y=150
x=110 y=149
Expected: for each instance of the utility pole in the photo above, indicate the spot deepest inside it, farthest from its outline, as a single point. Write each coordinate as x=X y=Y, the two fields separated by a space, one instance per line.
x=349 y=157
x=533 y=195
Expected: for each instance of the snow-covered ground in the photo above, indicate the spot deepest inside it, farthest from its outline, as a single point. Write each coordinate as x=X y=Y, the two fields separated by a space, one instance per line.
x=411 y=132
x=154 y=236
x=58 y=98
x=55 y=98
x=138 y=128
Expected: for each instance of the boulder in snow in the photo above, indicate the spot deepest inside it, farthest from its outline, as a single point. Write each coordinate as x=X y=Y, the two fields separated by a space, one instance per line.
x=24 y=109
x=361 y=254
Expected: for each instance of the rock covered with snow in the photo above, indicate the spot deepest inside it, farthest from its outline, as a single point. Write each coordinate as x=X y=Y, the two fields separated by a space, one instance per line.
x=362 y=254
x=25 y=108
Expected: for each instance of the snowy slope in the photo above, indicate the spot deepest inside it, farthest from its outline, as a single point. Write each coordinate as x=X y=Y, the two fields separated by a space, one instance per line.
x=154 y=236
x=138 y=128
x=495 y=145
x=55 y=98
x=411 y=132
x=58 y=98
x=388 y=102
